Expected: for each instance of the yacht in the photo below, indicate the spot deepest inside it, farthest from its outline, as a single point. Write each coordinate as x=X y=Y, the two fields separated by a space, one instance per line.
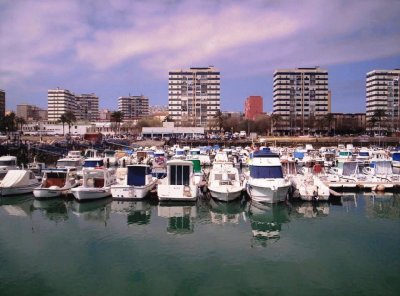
x=17 y=182
x=56 y=182
x=265 y=182
x=180 y=182
x=96 y=183
x=137 y=183
x=224 y=182
x=110 y=158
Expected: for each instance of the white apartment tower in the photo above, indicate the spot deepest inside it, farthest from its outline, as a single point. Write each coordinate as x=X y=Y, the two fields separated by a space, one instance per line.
x=382 y=93
x=60 y=101
x=301 y=96
x=134 y=107
x=194 y=96
x=88 y=106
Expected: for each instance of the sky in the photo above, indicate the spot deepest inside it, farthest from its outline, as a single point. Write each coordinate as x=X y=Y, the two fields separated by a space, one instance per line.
x=115 y=48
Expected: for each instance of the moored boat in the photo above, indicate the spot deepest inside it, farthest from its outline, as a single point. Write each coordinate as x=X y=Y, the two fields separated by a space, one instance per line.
x=56 y=182
x=18 y=182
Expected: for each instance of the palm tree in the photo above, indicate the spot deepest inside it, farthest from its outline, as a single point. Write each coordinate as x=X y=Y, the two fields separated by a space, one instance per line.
x=378 y=117
x=20 y=121
x=117 y=117
x=328 y=119
x=219 y=120
x=63 y=120
x=275 y=119
x=70 y=119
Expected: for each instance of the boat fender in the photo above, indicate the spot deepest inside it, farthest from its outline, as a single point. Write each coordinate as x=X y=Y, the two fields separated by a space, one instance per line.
x=54 y=187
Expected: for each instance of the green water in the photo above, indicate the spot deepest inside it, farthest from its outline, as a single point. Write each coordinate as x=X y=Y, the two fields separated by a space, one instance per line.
x=351 y=247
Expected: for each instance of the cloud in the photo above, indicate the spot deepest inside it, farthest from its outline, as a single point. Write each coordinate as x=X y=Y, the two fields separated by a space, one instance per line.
x=242 y=38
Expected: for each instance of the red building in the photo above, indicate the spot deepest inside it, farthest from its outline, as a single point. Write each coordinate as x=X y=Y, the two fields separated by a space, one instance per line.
x=253 y=107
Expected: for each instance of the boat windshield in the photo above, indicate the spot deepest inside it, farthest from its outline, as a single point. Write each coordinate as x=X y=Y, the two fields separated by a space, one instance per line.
x=195 y=152
x=7 y=162
x=93 y=163
x=268 y=172
x=383 y=168
x=179 y=175
x=363 y=153
x=350 y=168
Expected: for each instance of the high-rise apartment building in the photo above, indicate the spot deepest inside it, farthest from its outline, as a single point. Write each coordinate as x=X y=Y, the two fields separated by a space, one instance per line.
x=253 y=106
x=31 y=112
x=133 y=107
x=88 y=106
x=194 y=96
x=59 y=101
x=382 y=93
x=2 y=103
x=301 y=96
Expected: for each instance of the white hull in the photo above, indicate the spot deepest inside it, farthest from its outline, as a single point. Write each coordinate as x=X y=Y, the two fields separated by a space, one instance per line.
x=177 y=192
x=268 y=193
x=42 y=193
x=18 y=190
x=82 y=193
x=225 y=193
x=126 y=192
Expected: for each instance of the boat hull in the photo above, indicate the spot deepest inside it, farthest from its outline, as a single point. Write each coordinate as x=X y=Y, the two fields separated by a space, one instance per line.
x=177 y=192
x=82 y=194
x=268 y=194
x=127 y=192
x=5 y=191
x=225 y=193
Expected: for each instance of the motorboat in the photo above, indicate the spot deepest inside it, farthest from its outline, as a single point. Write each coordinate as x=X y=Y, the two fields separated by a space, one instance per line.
x=224 y=182
x=265 y=180
x=96 y=183
x=17 y=182
x=199 y=176
x=70 y=162
x=179 y=154
x=136 y=185
x=56 y=182
x=7 y=163
x=395 y=159
x=179 y=184
x=195 y=153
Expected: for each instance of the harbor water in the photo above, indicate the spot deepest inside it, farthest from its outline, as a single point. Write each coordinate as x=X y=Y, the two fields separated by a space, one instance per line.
x=350 y=246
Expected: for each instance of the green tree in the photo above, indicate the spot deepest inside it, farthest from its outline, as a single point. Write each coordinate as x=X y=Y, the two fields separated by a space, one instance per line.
x=117 y=117
x=8 y=122
x=70 y=119
x=276 y=122
x=63 y=120
x=219 y=120
x=20 y=121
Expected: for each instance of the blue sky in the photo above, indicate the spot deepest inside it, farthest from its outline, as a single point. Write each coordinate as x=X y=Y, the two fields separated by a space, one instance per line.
x=120 y=47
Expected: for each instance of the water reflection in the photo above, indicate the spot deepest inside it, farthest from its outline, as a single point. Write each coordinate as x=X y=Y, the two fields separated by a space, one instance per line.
x=17 y=205
x=225 y=212
x=382 y=205
x=266 y=221
x=138 y=212
x=308 y=209
x=180 y=216
x=54 y=209
x=98 y=210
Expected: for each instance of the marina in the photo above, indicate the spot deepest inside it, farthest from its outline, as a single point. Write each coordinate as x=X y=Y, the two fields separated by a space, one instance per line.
x=345 y=247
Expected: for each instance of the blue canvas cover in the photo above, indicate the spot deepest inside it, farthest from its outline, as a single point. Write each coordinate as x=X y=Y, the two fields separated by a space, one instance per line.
x=298 y=154
x=268 y=172
x=93 y=163
x=137 y=175
x=264 y=154
x=396 y=156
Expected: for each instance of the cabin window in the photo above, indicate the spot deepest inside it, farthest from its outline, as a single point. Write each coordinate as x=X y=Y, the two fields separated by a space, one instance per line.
x=179 y=175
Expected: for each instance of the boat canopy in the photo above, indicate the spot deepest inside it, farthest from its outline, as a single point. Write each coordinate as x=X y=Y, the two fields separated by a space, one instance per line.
x=349 y=168
x=382 y=167
x=265 y=154
x=396 y=156
x=16 y=178
x=266 y=172
x=137 y=174
x=298 y=154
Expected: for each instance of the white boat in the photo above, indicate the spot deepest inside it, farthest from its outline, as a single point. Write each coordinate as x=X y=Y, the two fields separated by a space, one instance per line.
x=137 y=183
x=69 y=162
x=195 y=153
x=265 y=182
x=381 y=173
x=179 y=154
x=180 y=182
x=56 y=182
x=7 y=163
x=96 y=183
x=224 y=182
x=18 y=182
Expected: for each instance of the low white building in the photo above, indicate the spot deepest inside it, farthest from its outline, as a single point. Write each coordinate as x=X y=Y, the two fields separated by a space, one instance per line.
x=51 y=128
x=168 y=130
